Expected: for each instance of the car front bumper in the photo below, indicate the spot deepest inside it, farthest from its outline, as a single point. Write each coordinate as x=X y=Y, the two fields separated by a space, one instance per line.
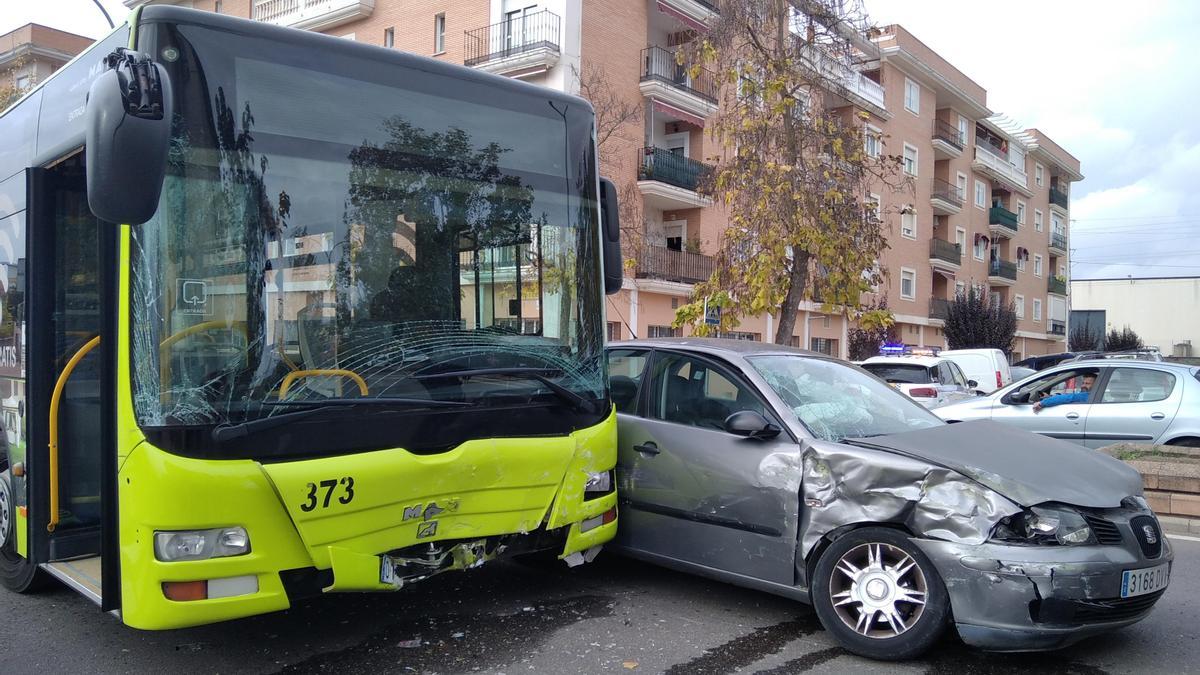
x=1033 y=598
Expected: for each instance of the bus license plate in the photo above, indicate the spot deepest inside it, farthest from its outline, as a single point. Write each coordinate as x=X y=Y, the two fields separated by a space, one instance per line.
x=387 y=572
x=1141 y=582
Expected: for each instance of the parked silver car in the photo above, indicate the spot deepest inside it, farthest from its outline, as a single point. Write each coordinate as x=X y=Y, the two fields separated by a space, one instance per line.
x=1126 y=401
x=797 y=474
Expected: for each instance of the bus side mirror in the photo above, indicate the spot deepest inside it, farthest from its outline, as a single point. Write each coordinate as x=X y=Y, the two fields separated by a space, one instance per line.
x=610 y=227
x=128 y=134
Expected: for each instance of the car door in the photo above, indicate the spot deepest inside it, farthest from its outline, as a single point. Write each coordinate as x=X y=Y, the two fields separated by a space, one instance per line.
x=692 y=492
x=1134 y=405
x=951 y=383
x=1065 y=422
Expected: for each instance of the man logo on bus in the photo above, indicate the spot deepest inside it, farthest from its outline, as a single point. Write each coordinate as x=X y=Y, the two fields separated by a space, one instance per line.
x=427 y=512
x=427 y=529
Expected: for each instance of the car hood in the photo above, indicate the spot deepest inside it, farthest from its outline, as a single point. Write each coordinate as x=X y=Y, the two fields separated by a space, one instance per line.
x=1025 y=467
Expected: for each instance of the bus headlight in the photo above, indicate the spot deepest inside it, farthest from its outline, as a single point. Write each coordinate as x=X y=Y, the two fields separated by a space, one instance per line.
x=597 y=484
x=222 y=542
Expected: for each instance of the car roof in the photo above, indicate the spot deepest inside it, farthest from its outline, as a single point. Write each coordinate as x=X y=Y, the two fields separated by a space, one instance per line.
x=1126 y=363
x=718 y=346
x=906 y=360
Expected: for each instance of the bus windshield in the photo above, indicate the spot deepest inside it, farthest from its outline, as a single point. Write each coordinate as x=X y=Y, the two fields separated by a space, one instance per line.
x=333 y=227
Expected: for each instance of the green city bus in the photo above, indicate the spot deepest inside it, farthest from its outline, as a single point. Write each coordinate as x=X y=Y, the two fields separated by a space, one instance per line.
x=285 y=314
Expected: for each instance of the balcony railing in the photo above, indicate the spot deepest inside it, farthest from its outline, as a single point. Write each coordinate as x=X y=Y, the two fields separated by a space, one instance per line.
x=1058 y=240
x=660 y=262
x=1057 y=327
x=949 y=133
x=661 y=65
x=1005 y=269
x=667 y=167
x=539 y=30
x=941 y=249
x=1056 y=286
x=839 y=73
x=947 y=192
x=992 y=159
x=939 y=308
x=1058 y=198
x=311 y=14
x=998 y=215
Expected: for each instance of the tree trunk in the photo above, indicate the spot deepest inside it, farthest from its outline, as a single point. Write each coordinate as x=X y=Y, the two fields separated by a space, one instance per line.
x=791 y=304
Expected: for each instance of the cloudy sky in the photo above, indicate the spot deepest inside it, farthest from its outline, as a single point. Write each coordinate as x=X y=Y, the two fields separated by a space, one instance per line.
x=1116 y=86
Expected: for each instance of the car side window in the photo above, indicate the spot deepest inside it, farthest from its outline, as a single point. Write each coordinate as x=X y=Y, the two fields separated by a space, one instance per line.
x=1137 y=385
x=696 y=393
x=1059 y=382
x=626 y=368
x=959 y=378
x=945 y=375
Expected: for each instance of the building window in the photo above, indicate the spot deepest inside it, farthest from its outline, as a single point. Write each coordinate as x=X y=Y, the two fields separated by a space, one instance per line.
x=980 y=194
x=961 y=184
x=217 y=7
x=439 y=33
x=1020 y=261
x=960 y=289
x=1037 y=309
x=614 y=331
x=908 y=224
x=1039 y=174
x=912 y=96
x=960 y=239
x=874 y=206
x=910 y=160
x=22 y=83
x=1037 y=220
x=826 y=346
x=908 y=283
x=389 y=37
x=962 y=132
x=1056 y=223
x=1020 y=213
x=871 y=143
x=1019 y=305
x=350 y=37
x=1037 y=265
x=980 y=247
x=663 y=332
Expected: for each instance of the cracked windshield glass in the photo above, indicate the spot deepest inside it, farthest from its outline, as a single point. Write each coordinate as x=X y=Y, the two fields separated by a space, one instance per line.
x=324 y=236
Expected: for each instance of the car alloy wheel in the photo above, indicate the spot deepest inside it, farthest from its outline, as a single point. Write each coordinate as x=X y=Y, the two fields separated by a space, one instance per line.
x=6 y=514
x=878 y=590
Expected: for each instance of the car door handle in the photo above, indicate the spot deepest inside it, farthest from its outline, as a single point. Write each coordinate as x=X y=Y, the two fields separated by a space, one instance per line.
x=1072 y=415
x=1157 y=416
x=649 y=448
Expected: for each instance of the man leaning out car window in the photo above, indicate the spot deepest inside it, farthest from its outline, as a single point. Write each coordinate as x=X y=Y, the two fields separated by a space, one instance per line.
x=1080 y=396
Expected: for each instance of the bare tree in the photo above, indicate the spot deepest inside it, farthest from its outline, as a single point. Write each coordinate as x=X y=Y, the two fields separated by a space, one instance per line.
x=793 y=171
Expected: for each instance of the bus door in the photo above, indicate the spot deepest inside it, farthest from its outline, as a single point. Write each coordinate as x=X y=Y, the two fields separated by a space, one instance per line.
x=67 y=306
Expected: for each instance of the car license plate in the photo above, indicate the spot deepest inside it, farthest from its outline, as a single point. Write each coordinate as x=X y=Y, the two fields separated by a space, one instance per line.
x=1148 y=580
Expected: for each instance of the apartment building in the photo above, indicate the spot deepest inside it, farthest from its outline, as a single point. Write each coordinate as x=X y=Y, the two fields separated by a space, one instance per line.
x=29 y=54
x=988 y=207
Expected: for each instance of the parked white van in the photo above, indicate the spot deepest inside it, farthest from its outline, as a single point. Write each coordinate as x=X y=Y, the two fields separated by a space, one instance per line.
x=988 y=367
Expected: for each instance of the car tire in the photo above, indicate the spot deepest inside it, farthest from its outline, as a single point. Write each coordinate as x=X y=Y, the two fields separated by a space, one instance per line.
x=1188 y=442
x=881 y=570
x=16 y=573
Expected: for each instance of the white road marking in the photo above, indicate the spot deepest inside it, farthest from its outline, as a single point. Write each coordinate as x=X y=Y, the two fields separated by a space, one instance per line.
x=1182 y=537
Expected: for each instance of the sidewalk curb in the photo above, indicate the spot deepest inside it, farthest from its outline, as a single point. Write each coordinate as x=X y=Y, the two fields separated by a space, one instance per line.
x=1178 y=525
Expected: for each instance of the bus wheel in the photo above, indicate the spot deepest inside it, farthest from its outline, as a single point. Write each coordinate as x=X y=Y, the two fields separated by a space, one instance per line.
x=16 y=573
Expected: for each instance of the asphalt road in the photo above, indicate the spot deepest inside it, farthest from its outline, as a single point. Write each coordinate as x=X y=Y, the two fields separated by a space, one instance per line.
x=615 y=615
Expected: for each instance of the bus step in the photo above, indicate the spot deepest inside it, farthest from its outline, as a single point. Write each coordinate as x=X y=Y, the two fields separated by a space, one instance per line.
x=82 y=574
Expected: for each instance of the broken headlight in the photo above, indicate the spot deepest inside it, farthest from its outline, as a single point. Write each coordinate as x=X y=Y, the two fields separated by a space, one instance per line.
x=1044 y=525
x=597 y=484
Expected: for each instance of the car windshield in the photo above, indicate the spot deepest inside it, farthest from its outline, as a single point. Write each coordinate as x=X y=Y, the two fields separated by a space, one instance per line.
x=836 y=401
x=335 y=228
x=897 y=373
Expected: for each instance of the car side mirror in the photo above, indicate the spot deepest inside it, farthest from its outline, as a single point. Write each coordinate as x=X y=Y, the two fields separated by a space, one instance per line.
x=751 y=424
x=128 y=133
x=972 y=384
x=610 y=228
x=1015 y=398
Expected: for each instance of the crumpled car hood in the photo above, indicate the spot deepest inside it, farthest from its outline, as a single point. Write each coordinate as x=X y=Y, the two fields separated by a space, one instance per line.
x=1025 y=467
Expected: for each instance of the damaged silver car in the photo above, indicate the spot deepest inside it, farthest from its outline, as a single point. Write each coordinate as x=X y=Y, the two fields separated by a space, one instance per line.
x=804 y=476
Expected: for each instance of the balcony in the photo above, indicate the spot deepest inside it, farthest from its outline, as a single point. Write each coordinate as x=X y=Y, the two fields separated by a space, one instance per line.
x=665 y=80
x=690 y=11
x=1059 y=198
x=669 y=181
x=944 y=254
x=842 y=79
x=311 y=14
x=1056 y=285
x=1002 y=222
x=1002 y=272
x=947 y=142
x=517 y=47
x=998 y=168
x=1057 y=327
x=945 y=198
x=667 y=264
x=1058 y=244
x=939 y=309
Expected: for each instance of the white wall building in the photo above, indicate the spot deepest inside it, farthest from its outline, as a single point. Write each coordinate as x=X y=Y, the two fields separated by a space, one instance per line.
x=1164 y=312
